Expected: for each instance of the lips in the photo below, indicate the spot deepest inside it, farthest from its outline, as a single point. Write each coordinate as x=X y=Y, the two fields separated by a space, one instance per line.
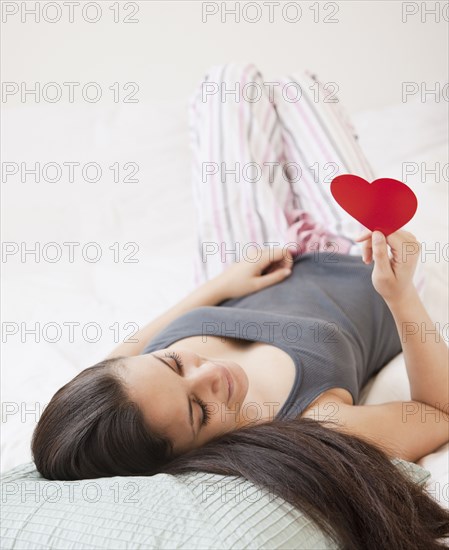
x=230 y=383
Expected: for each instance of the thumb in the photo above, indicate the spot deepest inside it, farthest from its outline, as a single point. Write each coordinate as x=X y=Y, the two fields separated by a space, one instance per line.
x=380 y=253
x=274 y=277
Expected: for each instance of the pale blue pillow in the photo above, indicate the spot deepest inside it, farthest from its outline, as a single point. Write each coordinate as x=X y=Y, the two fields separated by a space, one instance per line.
x=196 y=510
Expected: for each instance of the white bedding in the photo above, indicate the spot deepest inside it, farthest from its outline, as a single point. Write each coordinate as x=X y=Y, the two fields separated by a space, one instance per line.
x=157 y=214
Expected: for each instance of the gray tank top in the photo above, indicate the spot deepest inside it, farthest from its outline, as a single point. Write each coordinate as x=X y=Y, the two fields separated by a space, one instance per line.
x=326 y=316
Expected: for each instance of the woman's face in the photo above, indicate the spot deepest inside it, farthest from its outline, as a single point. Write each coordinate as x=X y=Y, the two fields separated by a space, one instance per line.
x=169 y=385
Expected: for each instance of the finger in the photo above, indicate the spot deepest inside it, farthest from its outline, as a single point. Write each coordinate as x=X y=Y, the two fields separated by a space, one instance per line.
x=365 y=239
x=380 y=254
x=272 y=278
x=273 y=267
x=282 y=256
x=287 y=260
x=403 y=244
x=367 y=251
x=365 y=234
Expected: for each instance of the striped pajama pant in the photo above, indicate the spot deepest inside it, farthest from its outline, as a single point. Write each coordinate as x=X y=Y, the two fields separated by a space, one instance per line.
x=264 y=154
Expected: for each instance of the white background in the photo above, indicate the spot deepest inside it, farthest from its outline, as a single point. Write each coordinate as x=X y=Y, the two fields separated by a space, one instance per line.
x=369 y=53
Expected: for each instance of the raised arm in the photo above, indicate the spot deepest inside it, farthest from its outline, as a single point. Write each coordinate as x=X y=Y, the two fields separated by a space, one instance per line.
x=403 y=429
x=239 y=279
x=425 y=351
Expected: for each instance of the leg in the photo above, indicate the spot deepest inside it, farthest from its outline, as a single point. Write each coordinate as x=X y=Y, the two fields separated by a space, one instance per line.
x=232 y=134
x=320 y=141
x=238 y=183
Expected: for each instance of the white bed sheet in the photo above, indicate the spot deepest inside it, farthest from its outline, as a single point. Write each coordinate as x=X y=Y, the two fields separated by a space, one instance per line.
x=157 y=213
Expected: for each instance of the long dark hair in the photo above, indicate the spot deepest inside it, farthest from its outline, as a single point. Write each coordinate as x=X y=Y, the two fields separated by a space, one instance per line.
x=347 y=486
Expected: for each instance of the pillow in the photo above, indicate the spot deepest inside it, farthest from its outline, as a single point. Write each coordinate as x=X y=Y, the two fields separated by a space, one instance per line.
x=195 y=510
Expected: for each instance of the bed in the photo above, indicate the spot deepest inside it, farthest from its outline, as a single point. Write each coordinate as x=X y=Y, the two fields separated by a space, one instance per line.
x=139 y=215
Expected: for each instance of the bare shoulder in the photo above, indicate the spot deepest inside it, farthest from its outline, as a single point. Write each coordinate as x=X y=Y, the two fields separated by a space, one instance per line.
x=402 y=429
x=326 y=401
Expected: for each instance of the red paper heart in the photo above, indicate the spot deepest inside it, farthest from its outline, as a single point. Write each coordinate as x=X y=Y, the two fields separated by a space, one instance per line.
x=384 y=205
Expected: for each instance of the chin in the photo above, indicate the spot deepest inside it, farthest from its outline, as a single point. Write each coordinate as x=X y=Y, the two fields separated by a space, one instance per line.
x=241 y=382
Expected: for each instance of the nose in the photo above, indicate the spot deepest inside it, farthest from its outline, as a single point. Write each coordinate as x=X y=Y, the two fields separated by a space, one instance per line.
x=210 y=381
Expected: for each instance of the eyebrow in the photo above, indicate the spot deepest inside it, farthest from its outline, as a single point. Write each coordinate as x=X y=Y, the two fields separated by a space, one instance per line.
x=189 y=403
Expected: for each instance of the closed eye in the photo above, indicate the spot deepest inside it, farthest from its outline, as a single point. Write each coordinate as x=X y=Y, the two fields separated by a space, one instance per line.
x=206 y=415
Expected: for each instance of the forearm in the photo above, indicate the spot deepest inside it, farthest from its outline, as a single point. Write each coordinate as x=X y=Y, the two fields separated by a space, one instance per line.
x=425 y=351
x=208 y=294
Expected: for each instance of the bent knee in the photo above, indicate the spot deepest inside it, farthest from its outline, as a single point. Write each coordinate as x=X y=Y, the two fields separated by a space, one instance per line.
x=227 y=82
x=232 y=72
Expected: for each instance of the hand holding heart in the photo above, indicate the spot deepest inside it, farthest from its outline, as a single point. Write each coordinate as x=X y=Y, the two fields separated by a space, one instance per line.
x=384 y=206
x=392 y=277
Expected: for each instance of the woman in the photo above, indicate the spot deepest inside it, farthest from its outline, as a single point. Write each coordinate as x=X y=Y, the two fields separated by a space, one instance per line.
x=258 y=371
